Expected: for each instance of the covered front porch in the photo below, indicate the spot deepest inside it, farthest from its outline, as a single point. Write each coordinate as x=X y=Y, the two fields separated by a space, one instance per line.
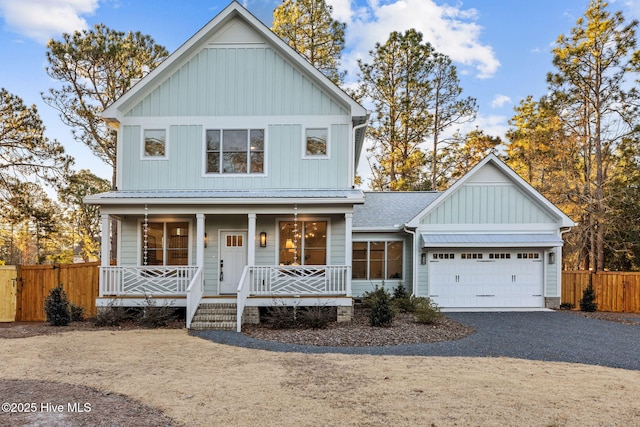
x=296 y=251
x=183 y=286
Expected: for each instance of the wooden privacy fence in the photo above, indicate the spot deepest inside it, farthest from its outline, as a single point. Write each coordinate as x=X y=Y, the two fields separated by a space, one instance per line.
x=79 y=281
x=615 y=291
x=8 y=287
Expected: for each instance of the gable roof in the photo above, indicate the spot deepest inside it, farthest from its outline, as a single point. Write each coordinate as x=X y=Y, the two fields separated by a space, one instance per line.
x=233 y=11
x=390 y=210
x=518 y=181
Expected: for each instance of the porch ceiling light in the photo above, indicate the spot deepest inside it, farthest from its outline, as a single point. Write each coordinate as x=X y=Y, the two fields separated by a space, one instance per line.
x=263 y=239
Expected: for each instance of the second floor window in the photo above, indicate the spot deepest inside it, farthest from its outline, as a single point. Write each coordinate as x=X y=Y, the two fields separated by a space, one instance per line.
x=155 y=143
x=235 y=151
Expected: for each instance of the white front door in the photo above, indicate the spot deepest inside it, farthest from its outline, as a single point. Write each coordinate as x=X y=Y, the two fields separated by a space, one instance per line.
x=233 y=259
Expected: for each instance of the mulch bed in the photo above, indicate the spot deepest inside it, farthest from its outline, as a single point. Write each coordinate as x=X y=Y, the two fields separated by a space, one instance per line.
x=358 y=332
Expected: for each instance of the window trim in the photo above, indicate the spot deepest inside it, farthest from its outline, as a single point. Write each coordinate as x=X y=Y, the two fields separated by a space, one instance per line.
x=143 y=155
x=205 y=152
x=386 y=259
x=306 y=156
x=165 y=221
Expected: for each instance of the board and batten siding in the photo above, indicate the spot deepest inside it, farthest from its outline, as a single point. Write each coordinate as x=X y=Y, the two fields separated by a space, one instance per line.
x=285 y=166
x=236 y=81
x=488 y=204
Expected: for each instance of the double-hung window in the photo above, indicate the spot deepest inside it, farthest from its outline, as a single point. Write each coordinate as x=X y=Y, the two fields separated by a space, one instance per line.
x=235 y=151
x=165 y=243
x=377 y=260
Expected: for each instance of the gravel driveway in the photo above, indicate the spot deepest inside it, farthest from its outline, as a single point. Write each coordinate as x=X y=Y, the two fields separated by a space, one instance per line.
x=546 y=336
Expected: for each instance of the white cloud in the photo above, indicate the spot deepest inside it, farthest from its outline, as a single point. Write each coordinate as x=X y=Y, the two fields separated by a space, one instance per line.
x=450 y=29
x=43 y=19
x=500 y=100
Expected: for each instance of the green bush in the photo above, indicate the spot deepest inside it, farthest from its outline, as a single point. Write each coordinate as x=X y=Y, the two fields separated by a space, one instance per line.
x=56 y=307
x=425 y=310
x=382 y=311
x=401 y=299
x=76 y=312
x=587 y=303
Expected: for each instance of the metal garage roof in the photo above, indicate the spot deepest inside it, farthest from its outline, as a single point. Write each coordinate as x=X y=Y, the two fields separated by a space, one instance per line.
x=490 y=240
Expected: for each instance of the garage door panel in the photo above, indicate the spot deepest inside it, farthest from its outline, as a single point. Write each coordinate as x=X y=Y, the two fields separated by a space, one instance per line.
x=484 y=279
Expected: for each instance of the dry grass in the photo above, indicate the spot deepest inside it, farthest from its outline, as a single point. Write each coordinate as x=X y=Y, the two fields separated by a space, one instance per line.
x=197 y=382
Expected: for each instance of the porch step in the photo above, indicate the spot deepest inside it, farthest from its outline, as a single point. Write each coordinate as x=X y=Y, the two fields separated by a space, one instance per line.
x=215 y=317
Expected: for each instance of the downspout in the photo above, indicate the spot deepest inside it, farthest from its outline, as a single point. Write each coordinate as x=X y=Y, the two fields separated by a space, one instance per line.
x=352 y=164
x=414 y=277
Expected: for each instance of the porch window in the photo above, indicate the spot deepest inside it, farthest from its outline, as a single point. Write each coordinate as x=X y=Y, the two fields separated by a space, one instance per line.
x=167 y=243
x=235 y=151
x=303 y=243
x=377 y=260
x=155 y=143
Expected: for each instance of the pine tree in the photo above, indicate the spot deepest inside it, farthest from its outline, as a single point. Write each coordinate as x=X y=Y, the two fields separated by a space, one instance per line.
x=307 y=26
x=56 y=306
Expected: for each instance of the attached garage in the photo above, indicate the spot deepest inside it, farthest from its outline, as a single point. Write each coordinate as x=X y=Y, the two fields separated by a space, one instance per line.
x=481 y=270
x=480 y=278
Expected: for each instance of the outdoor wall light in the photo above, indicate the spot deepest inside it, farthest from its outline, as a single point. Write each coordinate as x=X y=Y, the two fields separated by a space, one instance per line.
x=423 y=258
x=206 y=240
x=552 y=257
x=263 y=239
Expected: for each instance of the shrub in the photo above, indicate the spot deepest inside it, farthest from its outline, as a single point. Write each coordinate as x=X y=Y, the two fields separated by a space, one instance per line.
x=56 y=306
x=153 y=316
x=567 y=306
x=401 y=299
x=76 y=312
x=425 y=310
x=280 y=316
x=316 y=317
x=111 y=315
x=587 y=303
x=382 y=312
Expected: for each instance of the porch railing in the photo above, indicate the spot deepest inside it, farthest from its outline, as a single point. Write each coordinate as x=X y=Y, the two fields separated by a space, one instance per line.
x=300 y=280
x=145 y=280
x=291 y=281
x=195 y=291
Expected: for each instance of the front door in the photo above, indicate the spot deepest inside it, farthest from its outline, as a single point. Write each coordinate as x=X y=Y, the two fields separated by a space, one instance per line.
x=233 y=259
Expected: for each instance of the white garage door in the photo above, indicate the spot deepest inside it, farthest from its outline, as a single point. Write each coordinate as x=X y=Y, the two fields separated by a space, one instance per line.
x=483 y=278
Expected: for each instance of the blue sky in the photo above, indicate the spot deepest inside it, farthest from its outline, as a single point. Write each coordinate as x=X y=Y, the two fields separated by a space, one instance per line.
x=502 y=48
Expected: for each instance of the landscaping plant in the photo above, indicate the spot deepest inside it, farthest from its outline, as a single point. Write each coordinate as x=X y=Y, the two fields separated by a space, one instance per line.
x=382 y=311
x=587 y=303
x=56 y=307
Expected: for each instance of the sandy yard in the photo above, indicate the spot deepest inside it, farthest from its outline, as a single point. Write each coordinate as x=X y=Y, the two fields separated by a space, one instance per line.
x=197 y=382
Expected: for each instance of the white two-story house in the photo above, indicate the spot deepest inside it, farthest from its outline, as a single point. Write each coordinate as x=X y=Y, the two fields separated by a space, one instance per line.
x=235 y=185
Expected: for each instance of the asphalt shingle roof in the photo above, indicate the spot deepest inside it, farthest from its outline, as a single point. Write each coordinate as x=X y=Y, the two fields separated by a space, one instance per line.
x=391 y=209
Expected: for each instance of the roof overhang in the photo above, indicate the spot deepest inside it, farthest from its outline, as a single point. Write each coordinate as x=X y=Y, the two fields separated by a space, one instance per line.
x=227 y=197
x=490 y=240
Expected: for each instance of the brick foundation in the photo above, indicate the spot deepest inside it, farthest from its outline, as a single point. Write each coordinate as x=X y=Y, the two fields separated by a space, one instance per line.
x=251 y=315
x=345 y=314
x=552 y=302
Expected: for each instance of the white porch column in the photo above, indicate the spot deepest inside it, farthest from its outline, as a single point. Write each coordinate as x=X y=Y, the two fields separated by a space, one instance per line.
x=251 y=237
x=105 y=248
x=200 y=239
x=348 y=247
